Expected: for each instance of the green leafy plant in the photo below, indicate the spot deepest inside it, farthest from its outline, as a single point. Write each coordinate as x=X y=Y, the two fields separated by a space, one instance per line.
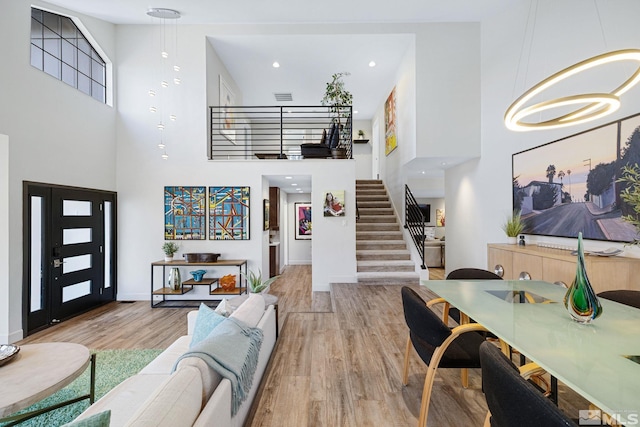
x=514 y=225
x=170 y=248
x=631 y=196
x=255 y=282
x=361 y=134
x=335 y=94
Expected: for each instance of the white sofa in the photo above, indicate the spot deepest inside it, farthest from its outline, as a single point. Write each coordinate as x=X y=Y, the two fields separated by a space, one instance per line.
x=193 y=395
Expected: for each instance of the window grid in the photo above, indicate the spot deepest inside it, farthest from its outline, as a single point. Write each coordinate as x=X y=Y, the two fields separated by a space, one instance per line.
x=59 y=48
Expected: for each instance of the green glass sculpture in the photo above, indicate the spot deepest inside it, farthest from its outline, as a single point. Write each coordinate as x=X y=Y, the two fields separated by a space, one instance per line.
x=580 y=300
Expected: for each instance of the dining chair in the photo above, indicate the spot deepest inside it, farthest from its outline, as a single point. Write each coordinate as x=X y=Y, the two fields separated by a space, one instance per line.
x=511 y=399
x=623 y=296
x=465 y=274
x=437 y=345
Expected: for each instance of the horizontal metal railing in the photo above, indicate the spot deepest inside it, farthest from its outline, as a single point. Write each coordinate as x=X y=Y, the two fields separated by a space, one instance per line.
x=276 y=132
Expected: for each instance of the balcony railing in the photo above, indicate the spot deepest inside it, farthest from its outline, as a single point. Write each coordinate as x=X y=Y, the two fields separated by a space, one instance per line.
x=278 y=132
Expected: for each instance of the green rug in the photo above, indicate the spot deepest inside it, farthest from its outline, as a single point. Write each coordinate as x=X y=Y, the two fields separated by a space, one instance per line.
x=112 y=367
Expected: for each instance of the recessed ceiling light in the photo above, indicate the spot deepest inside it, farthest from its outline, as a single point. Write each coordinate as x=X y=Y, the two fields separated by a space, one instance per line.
x=294 y=184
x=288 y=177
x=355 y=112
x=444 y=163
x=372 y=64
x=276 y=64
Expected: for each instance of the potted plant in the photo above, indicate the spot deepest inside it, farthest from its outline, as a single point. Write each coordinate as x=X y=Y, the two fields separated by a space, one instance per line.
x=360 y=134
x=513 y=226
x=631 y=196
x=255 y=283
x=336 y=97
x=169 y=248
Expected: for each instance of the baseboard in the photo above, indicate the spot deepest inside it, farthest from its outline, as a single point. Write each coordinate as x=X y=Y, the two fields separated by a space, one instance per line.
x=12 y=337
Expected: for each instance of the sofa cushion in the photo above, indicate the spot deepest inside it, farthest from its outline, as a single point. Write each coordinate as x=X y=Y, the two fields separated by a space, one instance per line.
x=163 y=364
x=175 y=403
x=125 y=399
x=250 y=312
x=101 y=419
x=210 y=378
x=207 y=320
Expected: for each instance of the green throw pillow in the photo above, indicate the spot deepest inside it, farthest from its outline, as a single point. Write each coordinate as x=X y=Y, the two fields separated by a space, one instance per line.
x=206 y=321
x=101 y=419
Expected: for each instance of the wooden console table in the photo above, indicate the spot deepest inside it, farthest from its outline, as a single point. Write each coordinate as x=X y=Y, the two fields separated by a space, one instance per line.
x=188 y=285
x=557 y=265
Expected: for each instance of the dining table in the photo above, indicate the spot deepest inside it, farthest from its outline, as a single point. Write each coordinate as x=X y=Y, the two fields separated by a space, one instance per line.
x=600 y=360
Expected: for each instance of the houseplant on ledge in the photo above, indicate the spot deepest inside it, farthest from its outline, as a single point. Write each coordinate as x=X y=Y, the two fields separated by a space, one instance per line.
x=255 y=284
x=513 y=226
x=335 y=97
x=169 y=248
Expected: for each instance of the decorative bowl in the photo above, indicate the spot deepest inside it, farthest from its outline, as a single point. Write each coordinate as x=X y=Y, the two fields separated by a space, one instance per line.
x=8 y=352
x=197 y=274
x=201 y=257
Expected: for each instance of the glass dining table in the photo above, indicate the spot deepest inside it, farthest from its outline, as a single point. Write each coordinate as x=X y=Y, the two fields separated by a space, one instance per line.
x=600 y=361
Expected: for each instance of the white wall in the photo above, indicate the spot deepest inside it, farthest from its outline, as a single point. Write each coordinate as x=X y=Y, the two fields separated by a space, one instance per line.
x=5 y=291
x=299 y=251
x=57 y=134
x=478 y=193
x=362 y=152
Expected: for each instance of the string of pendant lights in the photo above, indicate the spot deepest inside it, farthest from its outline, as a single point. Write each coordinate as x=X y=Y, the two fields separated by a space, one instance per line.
x=168 y=77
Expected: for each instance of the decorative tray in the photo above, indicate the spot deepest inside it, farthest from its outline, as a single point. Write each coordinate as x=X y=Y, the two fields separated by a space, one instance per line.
x=7 y=352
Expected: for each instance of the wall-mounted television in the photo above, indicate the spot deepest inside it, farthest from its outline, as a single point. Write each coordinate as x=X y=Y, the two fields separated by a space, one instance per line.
x=426 y=211
x=570 y=185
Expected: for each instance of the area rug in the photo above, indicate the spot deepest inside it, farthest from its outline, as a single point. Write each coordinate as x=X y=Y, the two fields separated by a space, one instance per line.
x=112 y=367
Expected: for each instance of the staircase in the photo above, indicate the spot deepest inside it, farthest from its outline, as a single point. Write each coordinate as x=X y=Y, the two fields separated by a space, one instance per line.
x=381 y=252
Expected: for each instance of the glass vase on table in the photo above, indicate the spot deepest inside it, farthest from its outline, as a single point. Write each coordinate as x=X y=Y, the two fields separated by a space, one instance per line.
x=580 y=300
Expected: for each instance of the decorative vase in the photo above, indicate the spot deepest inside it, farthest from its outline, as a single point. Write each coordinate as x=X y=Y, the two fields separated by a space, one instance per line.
x=168 y=258
x=580 y=300
x=174 y=281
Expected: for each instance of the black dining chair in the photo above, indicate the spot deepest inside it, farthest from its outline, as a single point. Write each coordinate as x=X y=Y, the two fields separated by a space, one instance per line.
x=511 y=399
x=465 y=274
x=623 y=296
x=437 y=345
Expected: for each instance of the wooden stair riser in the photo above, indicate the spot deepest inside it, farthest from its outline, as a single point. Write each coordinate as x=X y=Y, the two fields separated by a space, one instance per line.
x=380 y=245
x=385 y=219
x=384 y=235
x=386 y=268
x=377 y=226
x=384 y=210
x=397 y=256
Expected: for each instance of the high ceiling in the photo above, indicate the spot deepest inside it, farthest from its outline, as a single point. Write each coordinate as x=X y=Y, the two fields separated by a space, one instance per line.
x=306 y=62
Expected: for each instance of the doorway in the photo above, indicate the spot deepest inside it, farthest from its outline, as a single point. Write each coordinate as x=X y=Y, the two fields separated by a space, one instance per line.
x=69 y=252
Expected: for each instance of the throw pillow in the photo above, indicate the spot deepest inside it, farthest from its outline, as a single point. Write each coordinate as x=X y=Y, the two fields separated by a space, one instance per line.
x=101 y=419
x=223 y=308
x=250 y=312
x=206 y=321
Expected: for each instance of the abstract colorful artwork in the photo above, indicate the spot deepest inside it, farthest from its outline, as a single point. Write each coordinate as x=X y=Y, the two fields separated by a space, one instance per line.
x=303 y=221
x=229 y=213
x=390 y=141
x=439 y=217
x=184 y=213
x=334 y=203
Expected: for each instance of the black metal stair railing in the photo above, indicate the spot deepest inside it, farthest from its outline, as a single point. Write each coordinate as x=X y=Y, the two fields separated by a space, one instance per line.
x=414 y=222
x=276 y=132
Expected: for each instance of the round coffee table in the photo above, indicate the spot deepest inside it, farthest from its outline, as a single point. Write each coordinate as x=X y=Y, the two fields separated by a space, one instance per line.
x=38 y=371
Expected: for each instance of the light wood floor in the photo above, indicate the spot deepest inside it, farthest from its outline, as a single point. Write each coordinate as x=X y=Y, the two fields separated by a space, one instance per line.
x=337 y=361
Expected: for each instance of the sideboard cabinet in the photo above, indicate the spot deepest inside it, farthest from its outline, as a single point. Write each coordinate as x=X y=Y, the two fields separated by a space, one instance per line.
x=557 y=265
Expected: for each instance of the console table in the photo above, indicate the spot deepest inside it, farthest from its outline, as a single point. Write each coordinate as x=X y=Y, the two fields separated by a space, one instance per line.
x=554 y=265
x=162 y=296
x=38 y=371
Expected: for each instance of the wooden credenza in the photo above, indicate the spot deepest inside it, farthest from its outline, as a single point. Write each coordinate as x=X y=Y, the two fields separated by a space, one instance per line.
x=553 y=265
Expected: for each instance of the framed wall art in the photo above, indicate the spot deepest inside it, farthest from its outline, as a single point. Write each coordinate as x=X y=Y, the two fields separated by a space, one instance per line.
x=265 y=210
x=303 y=220
x=184 y=213
x=227 y=117
x=572 y=184
x=333 y=203
x=390 y=141
x=229 y=213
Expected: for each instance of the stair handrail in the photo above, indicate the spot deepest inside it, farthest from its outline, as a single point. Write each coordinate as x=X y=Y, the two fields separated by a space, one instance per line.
x=414 y=222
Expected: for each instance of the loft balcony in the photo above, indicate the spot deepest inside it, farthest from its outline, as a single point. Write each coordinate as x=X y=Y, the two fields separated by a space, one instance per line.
x=280 y=132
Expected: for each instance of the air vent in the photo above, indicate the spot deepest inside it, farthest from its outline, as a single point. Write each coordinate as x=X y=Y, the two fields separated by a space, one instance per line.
x=281 y=97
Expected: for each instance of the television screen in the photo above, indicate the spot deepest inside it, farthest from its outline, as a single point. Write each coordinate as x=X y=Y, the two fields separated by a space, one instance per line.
x=572 y=184
x=426 y=211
